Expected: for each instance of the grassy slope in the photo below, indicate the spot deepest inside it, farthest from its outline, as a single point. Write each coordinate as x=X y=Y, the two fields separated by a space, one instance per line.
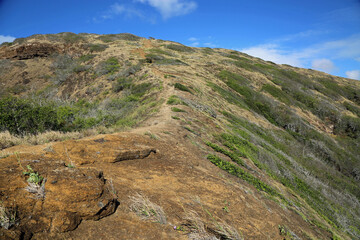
x=288 y=131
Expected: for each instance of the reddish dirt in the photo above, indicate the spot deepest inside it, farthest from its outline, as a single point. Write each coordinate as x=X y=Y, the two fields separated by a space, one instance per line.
x=176 y=176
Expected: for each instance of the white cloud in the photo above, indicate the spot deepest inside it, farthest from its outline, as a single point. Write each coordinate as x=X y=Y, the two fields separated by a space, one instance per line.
x=171 y=8
x=209 y=44
x=119 y=9
x=6 y=39
x=355 y=74
x=272 y=52
x=193 y=39
x=323 y=64
x=346 y=48
x=195 y=44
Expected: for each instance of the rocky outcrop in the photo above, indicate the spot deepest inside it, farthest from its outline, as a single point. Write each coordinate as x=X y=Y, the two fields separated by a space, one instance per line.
x=29 y=51
x=110 y=149
x=69 y=195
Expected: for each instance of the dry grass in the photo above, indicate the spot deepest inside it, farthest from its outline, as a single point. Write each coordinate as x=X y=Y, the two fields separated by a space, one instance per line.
x=38 y=190
x=146 y=209
x=217 y=230
x=196 y=227
x=7 y=217
x=7 y=140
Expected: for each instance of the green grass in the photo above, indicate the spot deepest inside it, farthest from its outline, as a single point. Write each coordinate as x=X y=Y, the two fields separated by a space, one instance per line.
x=277 y=93
x=240 y=173
x=86 y=58
x=231 y=77
x=234 y=157
x=182 y=87
x=174 y=100
x=175 y=109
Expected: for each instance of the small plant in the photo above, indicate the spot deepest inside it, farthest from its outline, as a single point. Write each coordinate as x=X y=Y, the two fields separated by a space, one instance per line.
x=151 y=135
x=70 y=165
x=175 y=109
x=34 y=177
x=7 y=217
x=226 y=207
x=36 y=183
x=174 y=100
x=146 y=209
x=175 y=117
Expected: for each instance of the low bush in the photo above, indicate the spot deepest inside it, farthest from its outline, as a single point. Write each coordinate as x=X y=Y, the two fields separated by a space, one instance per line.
x=179 y=48
x=110 y=66
x=86 y=58
x=95 y=47
x=122 y=36
x=232 y=78
x=277 y=93
x=175 y=109
x=238 y=172
x=20 y=116
x=182 y=87
x=174 y=100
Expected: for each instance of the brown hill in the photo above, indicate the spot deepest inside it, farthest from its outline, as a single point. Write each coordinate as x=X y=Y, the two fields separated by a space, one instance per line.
x=196 y=143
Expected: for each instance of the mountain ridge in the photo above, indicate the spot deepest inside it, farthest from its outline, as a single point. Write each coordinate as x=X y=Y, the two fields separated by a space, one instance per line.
x=288 y=133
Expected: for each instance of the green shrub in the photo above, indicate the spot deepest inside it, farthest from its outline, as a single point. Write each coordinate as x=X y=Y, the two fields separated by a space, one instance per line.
x=110 y=66
x=349 y=126
x=238 y=172
x=20 y=116
x=85 y=58
x=122 y=36
x=231 y=155
x=158 y=51
x=182 y=87
x=352 y=108
x=169 y=61
x=277 y=93
x=174 y=100
x=179 y=48
x=175 y=109
x=71 y=37
x=121 y=84
x=95 y=47
x=232 y=78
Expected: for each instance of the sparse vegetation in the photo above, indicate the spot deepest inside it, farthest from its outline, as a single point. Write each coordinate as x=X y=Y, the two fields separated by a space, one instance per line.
x=7 y=217
x=179 y=48
x=266 y=124
x=175 y=109
x=147 y=210
x=182 y=87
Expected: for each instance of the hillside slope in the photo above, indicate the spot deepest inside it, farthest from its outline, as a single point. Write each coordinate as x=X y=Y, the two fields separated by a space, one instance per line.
x=230 y=146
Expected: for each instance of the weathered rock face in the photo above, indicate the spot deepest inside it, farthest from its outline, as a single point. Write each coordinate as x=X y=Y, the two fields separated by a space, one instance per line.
x=71 y=194
x=29 y=51
x=74 y=190
x=110 y=149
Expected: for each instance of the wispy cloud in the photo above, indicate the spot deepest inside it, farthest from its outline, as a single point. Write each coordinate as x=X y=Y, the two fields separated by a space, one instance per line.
x=171 y=8
x=274 y=53
x=355 y=74
x=6 y=39
x=320 y=56
x=117 y=9
x=323 y=64
x=301 y=35
x=197 y=42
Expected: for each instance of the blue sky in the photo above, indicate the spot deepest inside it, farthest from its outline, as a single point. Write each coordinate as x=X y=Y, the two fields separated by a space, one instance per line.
x=317 y=34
